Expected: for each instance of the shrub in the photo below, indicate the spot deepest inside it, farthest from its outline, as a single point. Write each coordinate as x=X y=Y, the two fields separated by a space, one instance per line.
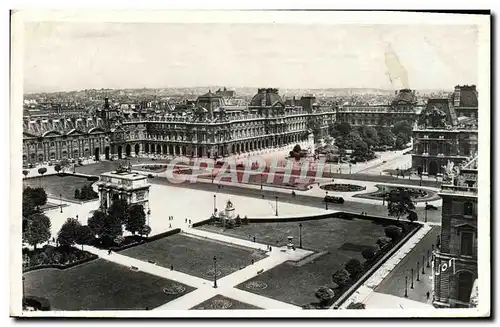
x=369 y=253
x=324 y=295
x=340 y=277
x=237 y=221
x=393 y=232
x=230 y=224
x=354 y=268
x=383 y=241
x=356 y=305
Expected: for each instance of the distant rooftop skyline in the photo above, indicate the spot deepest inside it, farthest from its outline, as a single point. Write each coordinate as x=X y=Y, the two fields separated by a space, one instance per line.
x=75 y=56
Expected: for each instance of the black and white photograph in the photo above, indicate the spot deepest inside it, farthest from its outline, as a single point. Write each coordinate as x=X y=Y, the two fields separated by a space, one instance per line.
x=250 y=164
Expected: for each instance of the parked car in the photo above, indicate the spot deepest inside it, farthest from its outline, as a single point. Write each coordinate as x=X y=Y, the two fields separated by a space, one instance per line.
x=151 y=176
x=430 y=207
x=334 y=199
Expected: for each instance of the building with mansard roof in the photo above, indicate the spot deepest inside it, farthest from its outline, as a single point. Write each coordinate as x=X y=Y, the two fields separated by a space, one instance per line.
x=455 y=259
x=208 y=127
x=403 y=107
x=446 y=130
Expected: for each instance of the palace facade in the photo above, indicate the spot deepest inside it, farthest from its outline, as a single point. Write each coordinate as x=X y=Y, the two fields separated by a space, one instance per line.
x=455 y=260
x=207 y=128
x=403 y=107
x=446 y=130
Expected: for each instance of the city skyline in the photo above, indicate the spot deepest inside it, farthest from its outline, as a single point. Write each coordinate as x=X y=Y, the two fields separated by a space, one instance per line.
x=133 y=56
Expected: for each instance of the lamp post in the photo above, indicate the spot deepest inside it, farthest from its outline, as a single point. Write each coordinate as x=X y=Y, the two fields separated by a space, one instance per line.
x=276 y=206
x=215 y=206
x=428 y=256
x=326 y=202
x=406 y=286
x=383 y=196
x=261 y=181
x=60 y=201
x=215 y=272
x=300 y=235
x=423 y=265
x=418 y=270
x=425 y=211
x=411 y=278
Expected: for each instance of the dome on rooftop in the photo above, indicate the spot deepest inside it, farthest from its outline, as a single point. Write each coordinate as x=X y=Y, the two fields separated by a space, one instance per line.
x=265 y=97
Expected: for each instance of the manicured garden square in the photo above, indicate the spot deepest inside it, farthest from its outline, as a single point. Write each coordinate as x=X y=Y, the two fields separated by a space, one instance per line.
x=338 y=240
x=194 y=256
x=64 y=184
x=220 y=302
x=101 y=285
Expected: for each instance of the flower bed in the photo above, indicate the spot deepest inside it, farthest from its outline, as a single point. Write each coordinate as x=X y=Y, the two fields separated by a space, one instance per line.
x=416 y=194
x=54 y=257
x=343 y=187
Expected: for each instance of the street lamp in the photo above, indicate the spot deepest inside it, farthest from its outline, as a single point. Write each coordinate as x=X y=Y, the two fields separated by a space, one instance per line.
x=215 y=272
x=215 y=206
x=261 y=181
x=425 y=211
x=300 y=235
x=423 y=265
x=428 y=256
x=60 y=201
x=276 y=206
x=418 y=270
x=326 y=202
x=383 y=195
x=411 y=278
x=406 y=286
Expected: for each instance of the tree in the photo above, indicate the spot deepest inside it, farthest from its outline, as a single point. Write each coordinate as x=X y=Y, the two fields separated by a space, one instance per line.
x=399 y=203
x=369 y=253
x=354 y=268
x=229 y=223
x=111 y=228
x=84 y=235
x=29 y=207
x=57 y=168
x=65 y=164
x=324 y=295
x=403 y=129
x=386 y=137
x=340 y=128
x=297 y=148
x=392 y=232
x=96 y=222
x=340 y=277
x=119 y=209
x=400 y=142
x=136 y=218
x=38 y=229
x=369 y=135
x=41 y=171
x=412 y=216
x=26 y=172
x=77 y=194
x=237 y=221
x=36 y=195
x=68 y=234
x=244 y=221
x=146 y=230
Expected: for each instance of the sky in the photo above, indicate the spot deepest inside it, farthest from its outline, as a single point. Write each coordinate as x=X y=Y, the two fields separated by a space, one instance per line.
x=62 y=56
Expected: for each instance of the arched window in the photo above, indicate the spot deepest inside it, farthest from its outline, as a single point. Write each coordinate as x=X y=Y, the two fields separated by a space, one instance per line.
x=467 y=243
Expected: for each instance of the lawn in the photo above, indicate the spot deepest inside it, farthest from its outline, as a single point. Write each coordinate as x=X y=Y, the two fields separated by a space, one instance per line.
x=101 y=285
x=59 y=184
x=339 y=239
x=194 y=256
x=220 y=302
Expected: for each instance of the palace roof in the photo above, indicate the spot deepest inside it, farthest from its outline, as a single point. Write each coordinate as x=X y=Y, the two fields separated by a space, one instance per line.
x=63 y=126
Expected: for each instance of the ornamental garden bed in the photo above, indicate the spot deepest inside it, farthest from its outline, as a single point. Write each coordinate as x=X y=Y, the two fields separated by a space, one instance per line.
x=416 y=194
x=343 y=187
x=61 y=184
x=54 y=257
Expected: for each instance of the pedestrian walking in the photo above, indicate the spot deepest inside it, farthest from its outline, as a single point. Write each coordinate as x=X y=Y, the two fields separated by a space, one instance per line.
x=171 y=267
x=169 y=225
x=186 y=220
x=109 y=252
x=189 y=221
x=254 y=239
x=428 y=295
x=252 y=262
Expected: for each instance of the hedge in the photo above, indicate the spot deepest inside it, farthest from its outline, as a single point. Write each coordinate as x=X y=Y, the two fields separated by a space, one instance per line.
x=62 y=266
